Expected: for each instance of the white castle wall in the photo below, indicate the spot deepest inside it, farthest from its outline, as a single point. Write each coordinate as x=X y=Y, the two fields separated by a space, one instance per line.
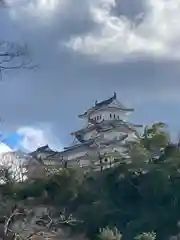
x=109 y=114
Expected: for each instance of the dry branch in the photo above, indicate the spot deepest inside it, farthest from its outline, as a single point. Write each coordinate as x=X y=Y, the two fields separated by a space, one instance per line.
x=16 y=212
x=14 y=56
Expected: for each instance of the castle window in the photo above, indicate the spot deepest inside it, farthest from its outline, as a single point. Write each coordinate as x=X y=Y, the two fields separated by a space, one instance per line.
x=97 y=117
x=110 y=115
x=114 y=116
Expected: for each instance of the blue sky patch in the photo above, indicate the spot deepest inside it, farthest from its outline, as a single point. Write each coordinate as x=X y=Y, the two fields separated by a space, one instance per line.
x=12 y=140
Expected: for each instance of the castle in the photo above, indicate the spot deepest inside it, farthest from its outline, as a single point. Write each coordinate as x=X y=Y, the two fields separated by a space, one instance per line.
x=102 y=139
x=104 y=135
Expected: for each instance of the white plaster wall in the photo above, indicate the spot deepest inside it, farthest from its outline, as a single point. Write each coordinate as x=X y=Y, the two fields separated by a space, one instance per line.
x=73 y=154
x=105 y=114
x=90 y=135
x=111 y=135
x=80 y=152
x=85 y=162
x=131 y=137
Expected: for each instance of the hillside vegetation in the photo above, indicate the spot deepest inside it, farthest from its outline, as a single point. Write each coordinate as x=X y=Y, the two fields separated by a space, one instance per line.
x=139 y=200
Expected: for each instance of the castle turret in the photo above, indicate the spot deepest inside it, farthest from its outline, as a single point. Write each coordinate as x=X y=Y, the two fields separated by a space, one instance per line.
x=106 y=130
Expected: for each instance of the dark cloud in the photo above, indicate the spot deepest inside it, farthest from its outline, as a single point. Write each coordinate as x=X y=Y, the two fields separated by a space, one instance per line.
x=130 y=9
x=67 y=83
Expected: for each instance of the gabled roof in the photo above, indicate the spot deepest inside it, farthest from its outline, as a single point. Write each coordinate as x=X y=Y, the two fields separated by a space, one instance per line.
x=43 y=150
x=105 y=124
x=99 y=105
x=105 y=102
x=85 y=143
x=114 y=141
x=92 y=143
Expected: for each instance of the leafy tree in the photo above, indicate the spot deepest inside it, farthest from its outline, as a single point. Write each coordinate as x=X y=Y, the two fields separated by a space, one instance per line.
x=138 y=196
x=13 y=55
x=155 y=138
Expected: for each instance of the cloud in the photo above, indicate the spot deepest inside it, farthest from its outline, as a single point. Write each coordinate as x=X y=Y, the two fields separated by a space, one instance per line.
x=155 y=33
x=66 y=83
x=41 y=10
x=34 y=137
x=4 y=148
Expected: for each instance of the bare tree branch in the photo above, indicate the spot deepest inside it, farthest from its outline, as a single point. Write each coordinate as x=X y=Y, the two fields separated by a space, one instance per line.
x=14 y=56
x=68 y=219
x=8 y=221
x=3 y=3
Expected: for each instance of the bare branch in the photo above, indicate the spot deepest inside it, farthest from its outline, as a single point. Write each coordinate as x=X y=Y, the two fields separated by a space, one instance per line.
x=8 y=221
x=65 y=218
x=14 y=56
x=3 y=3
x=41 y=233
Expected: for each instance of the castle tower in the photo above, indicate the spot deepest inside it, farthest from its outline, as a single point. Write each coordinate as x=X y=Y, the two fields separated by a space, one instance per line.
x=106 y=131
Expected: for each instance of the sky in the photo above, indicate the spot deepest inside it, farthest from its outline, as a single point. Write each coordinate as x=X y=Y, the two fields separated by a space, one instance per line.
x=86 y=50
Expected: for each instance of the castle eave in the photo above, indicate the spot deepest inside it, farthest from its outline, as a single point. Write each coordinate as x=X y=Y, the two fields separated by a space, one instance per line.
x=66 y=149
x=84 y=130
x=90 y=111
x=105 y=103
x=111 y=123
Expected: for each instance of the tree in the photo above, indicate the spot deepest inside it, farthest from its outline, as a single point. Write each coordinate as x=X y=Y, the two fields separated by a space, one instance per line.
x=14 y=56
x=138 y=196
x=3 y=3
x=146 y=236
x=12 y=164
x=110 y=234
x=154 y=139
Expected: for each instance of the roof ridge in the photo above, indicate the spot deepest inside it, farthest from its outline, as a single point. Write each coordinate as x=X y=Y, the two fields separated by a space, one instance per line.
x=106 y=101
x=99 y=105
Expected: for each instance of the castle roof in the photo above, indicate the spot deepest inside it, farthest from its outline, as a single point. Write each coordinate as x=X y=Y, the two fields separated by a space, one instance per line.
x=104 y=103
x=90 y=143
x=80 y=144
x=106 y=124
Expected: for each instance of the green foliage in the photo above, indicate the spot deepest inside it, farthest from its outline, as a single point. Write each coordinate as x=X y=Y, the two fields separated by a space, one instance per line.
x=141 y=196
x=155 y=135
x=155 y=138
x=30 y=189
x=63 y=187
